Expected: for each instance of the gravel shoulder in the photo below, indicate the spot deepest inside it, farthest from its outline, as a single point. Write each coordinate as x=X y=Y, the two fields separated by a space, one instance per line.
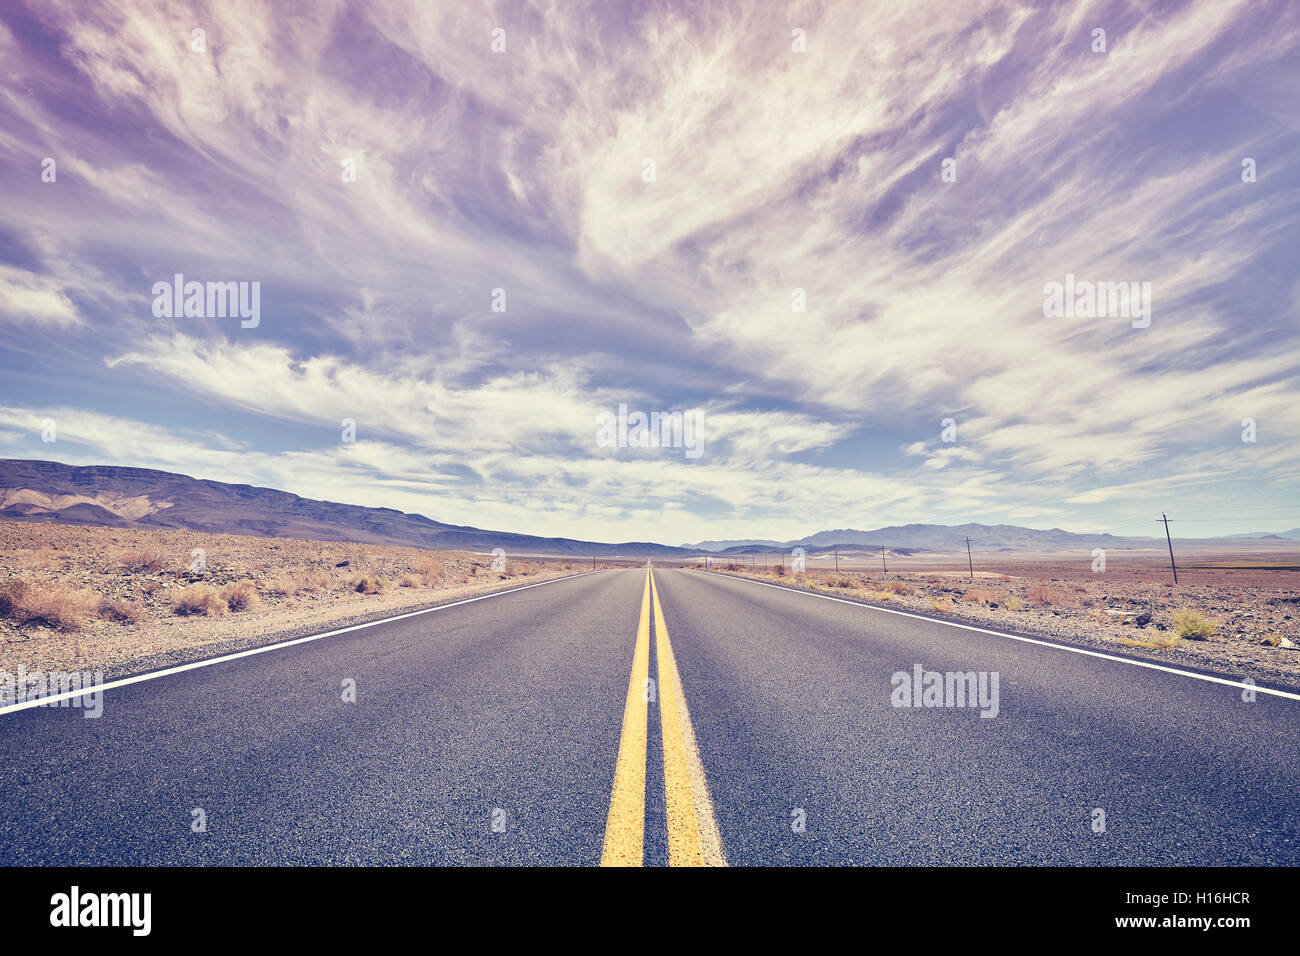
x=122 y=602
x=1116 y=617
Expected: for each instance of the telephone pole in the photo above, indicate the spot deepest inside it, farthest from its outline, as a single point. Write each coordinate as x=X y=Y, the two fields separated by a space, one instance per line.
x=969 y=563
x=882 y=560
x=1170 y=542
x=837 y=562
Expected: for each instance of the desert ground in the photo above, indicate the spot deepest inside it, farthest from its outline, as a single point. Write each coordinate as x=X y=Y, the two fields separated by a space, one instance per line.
x=120 y=601
x=123 y=601
x=1234 y=611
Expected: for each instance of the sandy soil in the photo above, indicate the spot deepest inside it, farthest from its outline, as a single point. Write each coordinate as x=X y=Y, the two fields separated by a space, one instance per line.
x=1253 y=606
x=86 y=599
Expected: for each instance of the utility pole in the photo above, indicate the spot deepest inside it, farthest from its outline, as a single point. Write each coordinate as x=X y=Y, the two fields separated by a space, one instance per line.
x=969 y=563
x=882 y=560
x=837 y=562
x=593 y=562
x=1170 y=542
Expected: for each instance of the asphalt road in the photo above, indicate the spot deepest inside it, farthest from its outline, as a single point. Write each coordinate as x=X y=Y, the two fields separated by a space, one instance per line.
x=699 y=720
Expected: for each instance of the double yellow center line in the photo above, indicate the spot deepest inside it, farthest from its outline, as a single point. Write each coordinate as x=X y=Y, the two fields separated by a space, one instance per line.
x=693 y=838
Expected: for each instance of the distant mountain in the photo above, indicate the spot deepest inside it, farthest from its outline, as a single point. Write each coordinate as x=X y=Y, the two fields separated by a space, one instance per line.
x=1293 y=534
x=937 y=537
x=716 y=546
x=143 y=498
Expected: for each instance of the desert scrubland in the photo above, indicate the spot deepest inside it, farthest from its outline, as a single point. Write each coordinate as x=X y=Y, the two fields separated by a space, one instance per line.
x=89 y=598
x=1234 y=612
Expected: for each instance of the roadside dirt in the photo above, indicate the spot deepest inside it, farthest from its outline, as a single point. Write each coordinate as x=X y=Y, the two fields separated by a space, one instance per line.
x=1245 y=615
x=87 y=599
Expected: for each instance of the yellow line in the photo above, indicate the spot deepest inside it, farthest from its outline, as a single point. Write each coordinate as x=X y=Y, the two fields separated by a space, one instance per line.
x=693 y=838
x=625 y=826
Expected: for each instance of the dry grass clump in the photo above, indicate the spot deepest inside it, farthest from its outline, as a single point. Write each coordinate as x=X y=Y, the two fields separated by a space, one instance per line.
x=1157 y=642
x=431 y=571
x=42 y=559
x=1014 y=603
x=369 y=584
x=141 y=562
x=52 y=605
x=199 y=599
x=409 y=581
x=939 y=605
x=980 y=596
x=240 y=595
x=124 y=612
x=290 y=583
x=895 y=586
x=1193 y=625
x=843 y=583
x=1048 y=595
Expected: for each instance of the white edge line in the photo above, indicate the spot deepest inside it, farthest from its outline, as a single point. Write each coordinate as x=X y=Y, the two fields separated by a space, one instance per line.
x=195 y=665
x=1027 y=640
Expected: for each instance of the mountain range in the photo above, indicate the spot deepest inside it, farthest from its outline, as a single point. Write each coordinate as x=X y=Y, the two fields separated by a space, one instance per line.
x=144 y=498
x=123 y=497
x=938 y=537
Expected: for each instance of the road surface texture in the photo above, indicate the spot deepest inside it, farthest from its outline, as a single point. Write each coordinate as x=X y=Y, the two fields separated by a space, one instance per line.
x=682 y=718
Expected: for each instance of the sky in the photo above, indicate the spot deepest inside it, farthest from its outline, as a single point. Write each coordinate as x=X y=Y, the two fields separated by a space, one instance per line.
x=823 y=233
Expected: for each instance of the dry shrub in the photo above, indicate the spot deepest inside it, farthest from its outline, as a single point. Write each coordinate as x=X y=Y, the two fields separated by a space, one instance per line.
x=141 y=562
x=52 y=605
x=843 y=583
x=431 y=571
x=1015 y=604
x=290 y=583
x=1193 y=625
x=240 y=595
x=939 y=605
x=895 y=586
x=733 y=566
x=409 y=581
x=42 y=559
x=979 y=596
x=124 y=612
x=368 y=584
x=199 y=599
x=1047 y=595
